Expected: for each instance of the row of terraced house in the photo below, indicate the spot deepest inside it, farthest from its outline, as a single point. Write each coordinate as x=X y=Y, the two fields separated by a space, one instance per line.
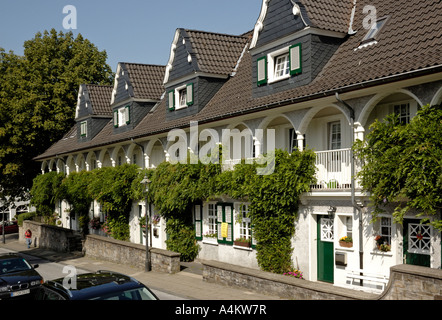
x=310 y=70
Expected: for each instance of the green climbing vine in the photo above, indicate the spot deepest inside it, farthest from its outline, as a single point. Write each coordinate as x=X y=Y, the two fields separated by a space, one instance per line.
x=176 y=188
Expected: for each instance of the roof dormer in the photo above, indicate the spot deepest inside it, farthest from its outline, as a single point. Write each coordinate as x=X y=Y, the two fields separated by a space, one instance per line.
x=137 y=89
x=291 y=43
x=93 y=110
x=199 y=64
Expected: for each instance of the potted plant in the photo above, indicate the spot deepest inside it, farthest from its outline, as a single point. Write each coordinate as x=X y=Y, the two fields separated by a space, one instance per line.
x=382 y=244
x=346 y=242
x=243 y=242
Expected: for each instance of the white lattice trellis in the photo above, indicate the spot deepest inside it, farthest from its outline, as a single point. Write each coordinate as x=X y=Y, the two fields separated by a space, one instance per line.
x=419 y=238
x=327 y=231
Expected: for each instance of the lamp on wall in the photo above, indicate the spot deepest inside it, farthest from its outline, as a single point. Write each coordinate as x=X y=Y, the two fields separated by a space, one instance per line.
x=331 y=211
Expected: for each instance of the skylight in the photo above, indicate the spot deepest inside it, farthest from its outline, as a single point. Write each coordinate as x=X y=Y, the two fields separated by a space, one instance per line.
x=374 y=30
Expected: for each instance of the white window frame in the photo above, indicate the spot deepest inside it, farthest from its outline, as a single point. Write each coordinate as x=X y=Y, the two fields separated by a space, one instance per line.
x=83 y=129
x=122 y=117
x=212 y=223
x=332 y=135
x=180 y=96
x=271 y=64
x=245 y=224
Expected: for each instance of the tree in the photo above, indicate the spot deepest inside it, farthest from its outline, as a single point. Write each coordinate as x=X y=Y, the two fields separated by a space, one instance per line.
x=38 y=94
x=403 y=165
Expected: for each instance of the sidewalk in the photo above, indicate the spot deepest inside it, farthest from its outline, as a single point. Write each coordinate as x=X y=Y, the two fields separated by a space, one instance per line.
x=187 y=284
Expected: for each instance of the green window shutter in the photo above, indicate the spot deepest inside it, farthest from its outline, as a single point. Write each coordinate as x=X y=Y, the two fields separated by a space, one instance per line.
x=253 y=238
x=295 y=56
x=127 y=114
x=219 y=220
x=171 y=100
x=198 y=218
x=225 y=216
x=189 y=94
x=116 y=118
x=262 y=70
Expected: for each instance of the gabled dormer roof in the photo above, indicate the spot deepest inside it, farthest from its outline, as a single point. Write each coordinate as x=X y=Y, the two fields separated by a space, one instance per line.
x=93 y=100
x=210 y=53
x=138 y=81
x=280 y=18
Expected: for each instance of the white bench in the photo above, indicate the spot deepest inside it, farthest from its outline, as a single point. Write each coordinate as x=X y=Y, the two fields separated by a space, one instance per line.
x=372 y=278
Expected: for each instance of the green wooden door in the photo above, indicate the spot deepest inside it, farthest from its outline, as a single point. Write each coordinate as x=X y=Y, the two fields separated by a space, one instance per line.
x=417 y=243
x=325 y=249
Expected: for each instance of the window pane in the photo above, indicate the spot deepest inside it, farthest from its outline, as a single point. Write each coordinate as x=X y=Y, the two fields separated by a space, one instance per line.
x=282 y=66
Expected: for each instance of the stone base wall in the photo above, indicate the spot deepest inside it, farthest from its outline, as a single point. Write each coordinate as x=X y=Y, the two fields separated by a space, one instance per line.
x=407 y=282
x=132 y=254
x=48 y=237
x=274 y=284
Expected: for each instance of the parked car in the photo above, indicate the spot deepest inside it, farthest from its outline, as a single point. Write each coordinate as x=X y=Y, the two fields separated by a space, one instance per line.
x=10 y=227
x=100 y=285
x=18 y=279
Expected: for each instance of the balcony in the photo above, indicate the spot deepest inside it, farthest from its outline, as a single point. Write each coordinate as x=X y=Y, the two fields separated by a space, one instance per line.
x=333 y=170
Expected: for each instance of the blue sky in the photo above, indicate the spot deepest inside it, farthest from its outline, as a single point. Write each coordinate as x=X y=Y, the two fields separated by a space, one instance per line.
x=129 y=30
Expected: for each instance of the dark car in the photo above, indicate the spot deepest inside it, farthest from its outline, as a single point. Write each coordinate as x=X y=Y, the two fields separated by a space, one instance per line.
x=18 y=279
x=10 y=227
x=100 y=285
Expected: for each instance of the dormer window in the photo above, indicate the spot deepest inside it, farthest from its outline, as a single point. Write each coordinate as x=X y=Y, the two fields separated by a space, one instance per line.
x=282 y=66
x=83 y=129
x=279 y=65
x=122 y=117
x=180 y=97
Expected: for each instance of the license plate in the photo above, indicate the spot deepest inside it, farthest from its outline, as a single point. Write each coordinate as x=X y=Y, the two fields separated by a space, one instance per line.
x=20 y=293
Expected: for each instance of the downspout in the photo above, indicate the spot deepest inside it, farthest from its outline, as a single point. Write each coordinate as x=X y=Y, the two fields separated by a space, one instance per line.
x=353 y=200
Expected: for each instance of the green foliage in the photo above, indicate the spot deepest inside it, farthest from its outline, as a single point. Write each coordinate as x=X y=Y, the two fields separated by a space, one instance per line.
x=181 y=238
x=25 y=216
x=175 y=188
x=112 y=188
x=38 y=95
x=45 y=192
x=402 y=164
x=274 y=203
x=74 y=189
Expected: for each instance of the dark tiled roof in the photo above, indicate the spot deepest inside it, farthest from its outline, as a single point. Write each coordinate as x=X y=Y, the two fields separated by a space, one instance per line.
x=409 y=43
x=146 y=80
x=100 y=97
x=333 y=15
x=216 y=53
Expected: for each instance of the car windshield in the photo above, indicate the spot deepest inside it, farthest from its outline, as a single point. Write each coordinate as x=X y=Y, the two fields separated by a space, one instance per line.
x=13 y=265
x=133 y=294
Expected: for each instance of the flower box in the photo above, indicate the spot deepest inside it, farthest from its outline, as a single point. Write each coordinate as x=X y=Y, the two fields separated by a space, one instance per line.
x=346 y=244
x=246 y=244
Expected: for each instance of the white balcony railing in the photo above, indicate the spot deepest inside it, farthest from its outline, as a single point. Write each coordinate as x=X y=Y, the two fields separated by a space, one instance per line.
x=333 y=169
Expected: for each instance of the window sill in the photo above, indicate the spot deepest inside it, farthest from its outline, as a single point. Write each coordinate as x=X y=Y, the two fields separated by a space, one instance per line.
x=243 y=248
x=210 y=241
x=270 y=81
x=377 y=252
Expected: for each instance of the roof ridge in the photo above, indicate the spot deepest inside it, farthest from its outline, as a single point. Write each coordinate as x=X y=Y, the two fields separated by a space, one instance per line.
x=144 y=64
x=216 y=33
